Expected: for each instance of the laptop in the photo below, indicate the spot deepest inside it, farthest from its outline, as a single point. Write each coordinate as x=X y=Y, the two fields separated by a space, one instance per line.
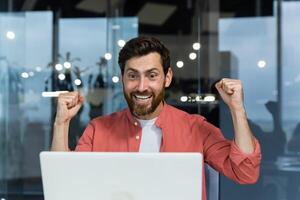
x=121 y=176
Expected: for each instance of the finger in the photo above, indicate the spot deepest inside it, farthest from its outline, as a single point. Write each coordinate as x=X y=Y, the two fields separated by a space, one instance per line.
x=228 y=89
x=66 y=101
x=231 y=85
x=80 y=98
x=77 y=98
x=225 y=85
x=231 y=81
x=73 y=94
x=219 y=88
x=224 y=81
x=234 y=86
x=70 y=99
x=76 y=108
x=218 y=85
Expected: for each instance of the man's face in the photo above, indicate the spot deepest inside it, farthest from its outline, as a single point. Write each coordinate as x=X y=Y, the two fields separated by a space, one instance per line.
x=144 y=85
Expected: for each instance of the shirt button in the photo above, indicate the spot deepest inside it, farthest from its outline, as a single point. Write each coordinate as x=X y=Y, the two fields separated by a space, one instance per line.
x=135 y=123
x=137 y=137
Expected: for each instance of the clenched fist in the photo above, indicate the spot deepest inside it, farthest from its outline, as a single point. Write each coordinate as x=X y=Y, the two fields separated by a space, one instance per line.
x=231 y=91
x=68 y=104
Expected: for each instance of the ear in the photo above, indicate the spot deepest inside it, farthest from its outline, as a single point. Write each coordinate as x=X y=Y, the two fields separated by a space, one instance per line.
x=169 y=77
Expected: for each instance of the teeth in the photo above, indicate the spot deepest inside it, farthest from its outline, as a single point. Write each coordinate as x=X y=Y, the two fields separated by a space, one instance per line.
x=142 y=97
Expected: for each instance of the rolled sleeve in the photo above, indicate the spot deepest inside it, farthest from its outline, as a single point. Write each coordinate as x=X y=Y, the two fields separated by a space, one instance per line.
x=226 y=157
x=238 y=157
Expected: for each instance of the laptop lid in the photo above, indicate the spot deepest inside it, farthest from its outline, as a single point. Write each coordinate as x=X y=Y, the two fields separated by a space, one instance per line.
x=121 y=176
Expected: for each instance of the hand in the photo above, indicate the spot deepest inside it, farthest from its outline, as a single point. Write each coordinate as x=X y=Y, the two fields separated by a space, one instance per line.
x=231 y=91
x=68 y=105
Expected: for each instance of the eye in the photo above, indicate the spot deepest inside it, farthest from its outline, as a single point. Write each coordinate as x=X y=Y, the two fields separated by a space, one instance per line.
x=132 y=76
x=153 y=75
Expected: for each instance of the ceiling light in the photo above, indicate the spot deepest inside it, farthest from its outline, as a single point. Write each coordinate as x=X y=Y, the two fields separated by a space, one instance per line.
x=53 y=94
x=209 y=98
x=58 y=67
x=121 y=43
x=77 y=82
x=115 y=79
x=24 y=75
x=38 y=69
x=61 y=77
x=115 y=27
x=192 y=56
x=261 y=64
x=107 y=56
x=183 y=98
x=10 y=35
x=196 y=46
x=67 y=65
x=179 y=64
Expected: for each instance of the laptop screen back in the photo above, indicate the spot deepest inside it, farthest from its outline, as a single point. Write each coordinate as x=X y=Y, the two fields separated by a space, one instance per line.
x=121 y=176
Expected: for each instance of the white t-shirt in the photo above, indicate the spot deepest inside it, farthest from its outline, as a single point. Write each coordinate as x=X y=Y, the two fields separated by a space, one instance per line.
x=151 y=136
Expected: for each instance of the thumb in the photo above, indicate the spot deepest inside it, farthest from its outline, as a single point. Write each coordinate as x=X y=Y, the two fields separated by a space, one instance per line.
x=76 y=108
x=80 y=99
x=218 y=86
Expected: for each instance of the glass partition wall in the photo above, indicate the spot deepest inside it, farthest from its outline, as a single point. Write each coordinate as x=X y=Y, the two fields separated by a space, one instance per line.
x=47 y=47
x=25 y=49
x=263 y=49
x=41 y=56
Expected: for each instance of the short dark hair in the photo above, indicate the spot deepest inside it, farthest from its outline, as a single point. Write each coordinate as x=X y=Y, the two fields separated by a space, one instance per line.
x=141 y=46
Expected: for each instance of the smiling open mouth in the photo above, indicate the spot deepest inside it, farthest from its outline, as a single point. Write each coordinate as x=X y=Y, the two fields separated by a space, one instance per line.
x=142 y=97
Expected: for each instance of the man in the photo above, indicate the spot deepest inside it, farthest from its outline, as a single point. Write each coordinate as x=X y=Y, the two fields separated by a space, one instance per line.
x=151 y=125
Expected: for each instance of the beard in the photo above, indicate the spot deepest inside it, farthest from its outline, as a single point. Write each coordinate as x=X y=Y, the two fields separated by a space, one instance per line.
x=142 y=110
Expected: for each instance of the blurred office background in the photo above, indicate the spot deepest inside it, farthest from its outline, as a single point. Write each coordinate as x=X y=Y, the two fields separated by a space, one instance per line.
x=55 y=45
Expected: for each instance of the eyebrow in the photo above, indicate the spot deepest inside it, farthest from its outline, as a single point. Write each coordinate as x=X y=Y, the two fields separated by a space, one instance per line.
x=147 y=71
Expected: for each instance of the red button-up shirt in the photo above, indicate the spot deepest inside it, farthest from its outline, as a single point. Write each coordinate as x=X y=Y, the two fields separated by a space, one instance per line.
x=181 y=132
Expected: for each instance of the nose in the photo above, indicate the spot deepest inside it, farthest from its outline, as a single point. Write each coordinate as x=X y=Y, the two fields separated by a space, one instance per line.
x=143 y=84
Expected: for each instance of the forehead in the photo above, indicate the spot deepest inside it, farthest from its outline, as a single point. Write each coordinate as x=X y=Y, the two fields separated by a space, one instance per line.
x=144 y=63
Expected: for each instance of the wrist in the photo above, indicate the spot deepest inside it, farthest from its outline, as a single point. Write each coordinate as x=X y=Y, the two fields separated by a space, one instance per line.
x=58 y=123
x=238 y=112
x=237 y=109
